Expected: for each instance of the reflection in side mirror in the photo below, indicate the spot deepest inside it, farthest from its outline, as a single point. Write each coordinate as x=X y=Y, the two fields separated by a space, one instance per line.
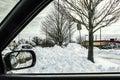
x=20 y=60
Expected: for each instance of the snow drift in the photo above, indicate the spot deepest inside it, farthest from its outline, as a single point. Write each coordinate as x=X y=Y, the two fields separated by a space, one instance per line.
x=72 y=59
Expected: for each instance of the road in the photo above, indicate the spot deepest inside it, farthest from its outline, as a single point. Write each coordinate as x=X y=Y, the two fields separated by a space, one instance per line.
x=111 y=57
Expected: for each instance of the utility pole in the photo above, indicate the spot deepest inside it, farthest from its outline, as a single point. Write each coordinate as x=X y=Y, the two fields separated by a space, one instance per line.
x=46 y=37
x=100 y=39
x=69 y=32
x=79 y=28
x=58 y=20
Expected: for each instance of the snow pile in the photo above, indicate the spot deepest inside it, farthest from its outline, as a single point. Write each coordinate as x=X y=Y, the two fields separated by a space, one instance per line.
x=71 y=59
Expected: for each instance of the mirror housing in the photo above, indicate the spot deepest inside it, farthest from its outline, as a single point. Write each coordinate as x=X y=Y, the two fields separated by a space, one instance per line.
x=19 y=60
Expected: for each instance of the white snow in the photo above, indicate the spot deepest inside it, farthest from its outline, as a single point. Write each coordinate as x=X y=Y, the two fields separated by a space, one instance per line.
x=107 y=60
x=72 y=59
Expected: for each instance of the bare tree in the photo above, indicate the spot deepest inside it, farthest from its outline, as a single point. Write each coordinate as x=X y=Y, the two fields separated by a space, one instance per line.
x=93 y=14
x=57 y=28
x=37 y=40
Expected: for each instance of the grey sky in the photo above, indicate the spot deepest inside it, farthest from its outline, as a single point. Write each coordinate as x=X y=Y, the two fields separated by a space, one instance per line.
x=5 y=7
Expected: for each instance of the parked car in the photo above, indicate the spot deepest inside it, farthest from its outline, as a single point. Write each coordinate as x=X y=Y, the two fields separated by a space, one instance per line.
x=24 y=47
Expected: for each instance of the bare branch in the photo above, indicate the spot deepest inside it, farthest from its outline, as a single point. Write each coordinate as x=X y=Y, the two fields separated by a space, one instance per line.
x=103 y=12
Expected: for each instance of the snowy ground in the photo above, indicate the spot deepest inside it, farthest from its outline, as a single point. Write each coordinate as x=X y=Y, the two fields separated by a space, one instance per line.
x=107 y=60
x=73 y=59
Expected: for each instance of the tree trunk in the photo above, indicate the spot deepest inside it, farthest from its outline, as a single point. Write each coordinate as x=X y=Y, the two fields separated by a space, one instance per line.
x=60 y=43
x=90 y=48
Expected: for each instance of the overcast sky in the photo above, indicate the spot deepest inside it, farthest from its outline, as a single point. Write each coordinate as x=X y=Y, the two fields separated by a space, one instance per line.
x=34 y=26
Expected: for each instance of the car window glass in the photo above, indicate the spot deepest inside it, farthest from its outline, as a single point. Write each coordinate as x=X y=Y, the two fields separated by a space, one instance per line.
x=6 y=6
x=59 y=36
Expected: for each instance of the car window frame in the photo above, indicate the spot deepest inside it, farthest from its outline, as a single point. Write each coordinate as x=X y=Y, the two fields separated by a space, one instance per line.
x=94 y=75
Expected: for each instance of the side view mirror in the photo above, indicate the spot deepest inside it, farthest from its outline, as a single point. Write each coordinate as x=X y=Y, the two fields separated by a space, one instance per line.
x=20 y=60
